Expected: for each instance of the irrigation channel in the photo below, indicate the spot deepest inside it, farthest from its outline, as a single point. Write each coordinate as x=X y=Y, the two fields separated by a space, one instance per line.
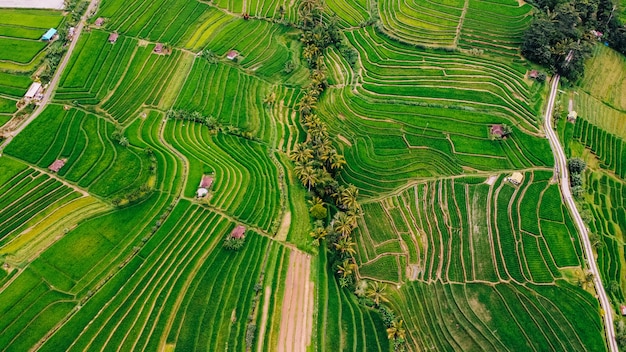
x=561 y=171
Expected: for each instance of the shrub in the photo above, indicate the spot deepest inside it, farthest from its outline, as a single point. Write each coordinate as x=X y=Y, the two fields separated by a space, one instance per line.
x=233 y=244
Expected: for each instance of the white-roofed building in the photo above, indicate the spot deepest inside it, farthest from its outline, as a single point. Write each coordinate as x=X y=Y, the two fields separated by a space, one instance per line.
x=33 y=90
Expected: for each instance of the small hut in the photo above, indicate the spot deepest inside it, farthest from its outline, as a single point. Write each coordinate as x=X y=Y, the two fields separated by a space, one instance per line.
x=497 y=131
x=533 y=74
x=99 y=22
x=572 y=116
x=232 y=55
x=57 y=165
x=49 y=34
x=113 y=37
x=516 y=178
x=238 y=232
x=622 y=309
x=203 y=187
x=158 y=49
x=33 y=91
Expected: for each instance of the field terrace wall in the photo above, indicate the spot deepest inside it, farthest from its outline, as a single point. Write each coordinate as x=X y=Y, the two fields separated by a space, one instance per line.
x=236 y=98
x=606 y=202
x=119 y=78
x=469 y=256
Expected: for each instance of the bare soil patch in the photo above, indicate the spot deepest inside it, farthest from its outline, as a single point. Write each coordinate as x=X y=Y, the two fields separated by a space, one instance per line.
x=345 y=140
x=296 y=324
x=491 y=180
x=283 y=231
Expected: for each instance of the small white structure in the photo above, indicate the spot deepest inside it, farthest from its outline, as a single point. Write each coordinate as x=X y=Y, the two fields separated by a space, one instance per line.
x=202 y=192
x=572 y=115
x=516 y=178
x=32 y=92
x=203 y=187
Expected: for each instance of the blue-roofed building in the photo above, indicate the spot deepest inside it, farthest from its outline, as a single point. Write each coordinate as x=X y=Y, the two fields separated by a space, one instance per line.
x=49 y=34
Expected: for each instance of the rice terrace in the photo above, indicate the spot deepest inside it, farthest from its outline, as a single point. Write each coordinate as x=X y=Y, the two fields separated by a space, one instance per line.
x=312 y=175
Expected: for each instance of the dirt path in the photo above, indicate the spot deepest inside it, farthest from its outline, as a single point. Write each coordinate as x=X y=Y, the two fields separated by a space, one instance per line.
x=283 y=231
x=297 y=311
x=266 y=307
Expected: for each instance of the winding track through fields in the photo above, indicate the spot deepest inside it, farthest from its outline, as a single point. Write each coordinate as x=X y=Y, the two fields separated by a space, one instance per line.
x=563 y=177
x=93 y=4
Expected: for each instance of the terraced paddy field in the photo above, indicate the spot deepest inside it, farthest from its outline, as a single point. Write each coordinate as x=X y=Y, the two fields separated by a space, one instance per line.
x=180 y=222
x=438 y=124
x=450 y=244
x=491 y=26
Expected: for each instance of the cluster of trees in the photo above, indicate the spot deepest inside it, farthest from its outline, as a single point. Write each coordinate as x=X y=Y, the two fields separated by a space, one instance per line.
x=211 y=122
x=233 y=243
x=576 y=168
x=56 y=49
x=374 y=295
x=321 y=31
x=560 y=36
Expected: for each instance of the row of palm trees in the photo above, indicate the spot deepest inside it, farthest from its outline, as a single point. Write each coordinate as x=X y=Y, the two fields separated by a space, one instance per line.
x=317 y=164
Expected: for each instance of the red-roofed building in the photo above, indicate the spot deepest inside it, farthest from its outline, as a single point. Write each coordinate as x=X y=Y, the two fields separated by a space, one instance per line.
x=497 y=131
x=232 y=55
x=533 y=74
x=238 y=232
x=206 y=182
x=113 y=37
x=57 y=165
x=158 y=48
x=622 y=309
x=99 y=22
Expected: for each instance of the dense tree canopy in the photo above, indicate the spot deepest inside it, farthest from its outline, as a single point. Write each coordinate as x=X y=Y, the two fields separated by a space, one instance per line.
x=561 y=36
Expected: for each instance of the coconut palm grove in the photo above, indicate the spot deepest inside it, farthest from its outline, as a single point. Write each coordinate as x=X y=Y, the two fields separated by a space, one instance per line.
x=313 y=175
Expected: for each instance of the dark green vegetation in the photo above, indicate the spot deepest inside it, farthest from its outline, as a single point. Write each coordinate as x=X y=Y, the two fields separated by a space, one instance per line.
x=563 y=33
x=376 y=114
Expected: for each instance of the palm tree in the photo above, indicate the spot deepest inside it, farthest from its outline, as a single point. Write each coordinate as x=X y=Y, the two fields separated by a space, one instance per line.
x=346 y=268
x=345 y=246
x=318 y=234
x=348 y=197
x=311 y=52
x=337 y=161
x=361 y=288
x=341 y=224
x=377 y=293
x=396 y=330
x=301 y=153
x=124 y=142
x=308 y=176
